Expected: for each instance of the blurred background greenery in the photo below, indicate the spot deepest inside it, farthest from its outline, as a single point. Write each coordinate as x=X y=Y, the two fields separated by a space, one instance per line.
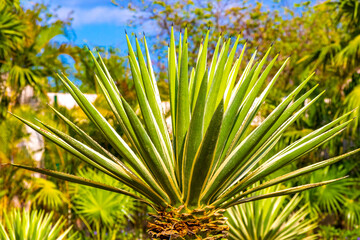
x=321 y=37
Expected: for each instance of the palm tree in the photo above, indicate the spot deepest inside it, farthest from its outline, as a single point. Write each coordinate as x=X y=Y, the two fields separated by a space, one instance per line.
x=27 y=57
x=349 y=17
x=11 y=31
x=212 y=157
x=11 y=35
x=341 y=53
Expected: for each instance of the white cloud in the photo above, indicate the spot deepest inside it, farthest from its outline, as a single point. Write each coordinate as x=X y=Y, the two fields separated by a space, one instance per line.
x=97 y=15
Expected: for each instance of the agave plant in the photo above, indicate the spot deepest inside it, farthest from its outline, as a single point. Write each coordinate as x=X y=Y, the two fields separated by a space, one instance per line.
x=33 y=226
x=209 y=161
x=271 y=219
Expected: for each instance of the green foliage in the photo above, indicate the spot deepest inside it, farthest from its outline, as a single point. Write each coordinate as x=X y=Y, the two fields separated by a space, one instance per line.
x=150 y=155
x=13 y=133
x=329 y=198
x=33 y=226
x=84 y=70
x=11 y=31
x=273 y=218
x=332 y=233
x=12 y=181
x=338 y=201
x=339 y=54
x=102 y=210
x=210 y=158
x=27 y=57
x=46 y=194
x=33 y=62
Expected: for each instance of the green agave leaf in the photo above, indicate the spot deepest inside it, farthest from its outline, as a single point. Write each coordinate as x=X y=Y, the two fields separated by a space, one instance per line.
x=277 y=162
x=64 y=145
x=152 y=101
x=150 y=122
x=233 y=75
x=110 y=134
x=180 y=43
x=104 y=69
x=214 y=91
x=254 y=80
x=192 y=81
x=173 y=81
x=118 y=169
x=296 y=173
x=230 y=116
x=226 y=77
x=129 y=132
x=151 y=72
x=83 y=135
x=214 y=62
x=243 y=118
x=112 y=95
x=261 y=141
x=243 y=76
x=283 y=192
x=191 y=84
x=316 y=132
x=204 y=158
x=79 y=180
x=200 y=69
x=153 y=159
x=194 y=136
x=97 y=160
x=132 y=55
x=183 y=108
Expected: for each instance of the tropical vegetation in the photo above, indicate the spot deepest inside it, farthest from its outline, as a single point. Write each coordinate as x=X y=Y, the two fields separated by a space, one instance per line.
x=211 y=158
x=320 y=37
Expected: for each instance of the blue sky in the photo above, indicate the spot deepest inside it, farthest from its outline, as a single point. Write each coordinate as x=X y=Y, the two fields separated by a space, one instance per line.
x=101 y=23
x=95 y=22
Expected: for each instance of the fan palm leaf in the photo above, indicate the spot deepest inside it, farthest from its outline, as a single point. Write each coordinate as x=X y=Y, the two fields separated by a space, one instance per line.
x=101 y=207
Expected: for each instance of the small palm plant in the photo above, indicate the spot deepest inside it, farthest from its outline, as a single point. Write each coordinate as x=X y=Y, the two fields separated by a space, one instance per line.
x=271 y=219
x=33 y=225
x=101 y=211
x=209 y=161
